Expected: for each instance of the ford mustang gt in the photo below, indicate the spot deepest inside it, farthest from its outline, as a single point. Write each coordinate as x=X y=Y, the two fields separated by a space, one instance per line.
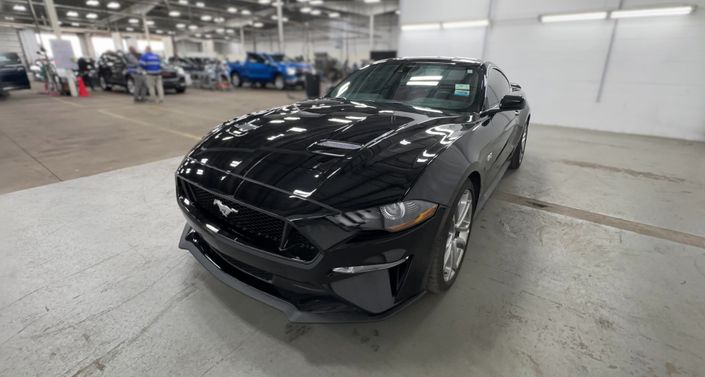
x=352 y=206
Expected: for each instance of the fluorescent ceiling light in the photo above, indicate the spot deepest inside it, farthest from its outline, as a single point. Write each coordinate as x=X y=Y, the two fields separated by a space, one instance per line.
x=306 y=10
x=9 y=18
x=160 y=31
x=200 y=4
x=232 y=10
x=183 y=2
x=219 y=20
x=174 y=13
x=425 y=78
x=72 y=13
x=197 y=35
x=229 y=31
x=246 y=12
x=316 y=12
x=258 y=24
x=19 y=8
x=180 y=26
x=465 y=24
x=316 y=2
x=113 y=5
x=653 y=12
x=573 y=17
x=91 y=16
x=129 y=29
x=92 y=3
x=372 y=1
x=433 y=26
x=333 y=14
x=422 y=83
x=133 y=21
x=192 y=27
x=150 y=23
x=206 y=17
x=264 y=1
x=220 y=30
x=75 y=24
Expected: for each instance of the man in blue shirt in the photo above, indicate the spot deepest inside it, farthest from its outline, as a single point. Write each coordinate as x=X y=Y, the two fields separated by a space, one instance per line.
x=152 y=65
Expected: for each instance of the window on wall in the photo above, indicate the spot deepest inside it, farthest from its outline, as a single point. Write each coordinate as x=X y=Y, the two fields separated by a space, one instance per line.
x=157 y=46
x=44 y=39
x=102 y=44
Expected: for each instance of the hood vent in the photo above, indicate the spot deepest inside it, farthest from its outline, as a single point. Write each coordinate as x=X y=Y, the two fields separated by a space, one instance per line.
x=333 y=147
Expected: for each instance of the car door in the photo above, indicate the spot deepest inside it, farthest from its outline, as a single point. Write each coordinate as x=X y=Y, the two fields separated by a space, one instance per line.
x=256 y=67
x=503 y=124
x=120 y=69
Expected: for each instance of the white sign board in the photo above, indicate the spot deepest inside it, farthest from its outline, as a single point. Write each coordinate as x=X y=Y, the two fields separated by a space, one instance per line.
x=63 y=53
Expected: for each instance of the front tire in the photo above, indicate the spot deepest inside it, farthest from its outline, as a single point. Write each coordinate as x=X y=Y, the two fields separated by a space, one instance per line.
x=518 y=154
x=104 y=84
x=279 y=83
x=131 y=85
x=451 y=243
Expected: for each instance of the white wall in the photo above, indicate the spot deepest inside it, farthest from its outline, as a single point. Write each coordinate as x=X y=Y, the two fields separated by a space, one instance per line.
x=655 y=78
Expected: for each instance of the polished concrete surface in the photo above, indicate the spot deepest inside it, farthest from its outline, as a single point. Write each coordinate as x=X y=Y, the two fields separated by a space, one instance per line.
x=48 y=139
x=588 y=261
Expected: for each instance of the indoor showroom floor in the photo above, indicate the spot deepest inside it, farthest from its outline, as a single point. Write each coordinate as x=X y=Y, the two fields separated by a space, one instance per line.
x=589 y=260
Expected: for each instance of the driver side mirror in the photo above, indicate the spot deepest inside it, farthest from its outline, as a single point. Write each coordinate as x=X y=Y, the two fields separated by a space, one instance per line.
x=512 y=102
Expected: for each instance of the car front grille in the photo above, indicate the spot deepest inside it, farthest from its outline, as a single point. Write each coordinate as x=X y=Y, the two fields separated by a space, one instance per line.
x=250 y=226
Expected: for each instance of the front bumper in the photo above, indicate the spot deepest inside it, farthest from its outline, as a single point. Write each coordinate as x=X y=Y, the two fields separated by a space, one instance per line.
x=174 y=82
x=313 y=292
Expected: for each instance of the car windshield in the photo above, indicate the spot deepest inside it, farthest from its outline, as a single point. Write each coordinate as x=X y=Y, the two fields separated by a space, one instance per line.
x=451 y=87
x=281 y=58
x=9 y=58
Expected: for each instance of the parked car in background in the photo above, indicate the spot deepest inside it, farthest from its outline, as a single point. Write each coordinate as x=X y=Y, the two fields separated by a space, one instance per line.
x=352 y=206
x=13 y=74
x=262 y=69
x=112 y=71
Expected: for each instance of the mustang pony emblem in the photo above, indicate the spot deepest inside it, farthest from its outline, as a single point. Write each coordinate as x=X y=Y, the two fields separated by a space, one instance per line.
x=225 y=210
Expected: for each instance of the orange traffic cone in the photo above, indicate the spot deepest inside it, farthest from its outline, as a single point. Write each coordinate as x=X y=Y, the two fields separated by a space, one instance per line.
x=82 y=91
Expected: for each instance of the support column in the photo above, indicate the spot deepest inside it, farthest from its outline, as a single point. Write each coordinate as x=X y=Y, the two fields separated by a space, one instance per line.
x=242 y=37
x=53 y=18
x=280 y=25
x=146 y=30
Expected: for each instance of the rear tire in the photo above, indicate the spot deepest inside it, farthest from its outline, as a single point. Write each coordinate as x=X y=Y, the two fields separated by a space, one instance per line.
x=180 y=90
x=451 y=243
x=236 y=80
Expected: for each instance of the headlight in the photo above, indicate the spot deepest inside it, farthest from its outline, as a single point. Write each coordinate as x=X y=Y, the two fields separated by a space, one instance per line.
x=391 y=217
x=290 y=71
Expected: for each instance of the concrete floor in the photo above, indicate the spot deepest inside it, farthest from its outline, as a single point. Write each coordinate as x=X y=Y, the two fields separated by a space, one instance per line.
x=589 y=261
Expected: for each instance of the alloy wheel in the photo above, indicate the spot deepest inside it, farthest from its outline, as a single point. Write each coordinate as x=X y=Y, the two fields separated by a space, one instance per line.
x=103 y=84
x=131 y=86
x=235 y=80
x=458 y=235
x=279 y=82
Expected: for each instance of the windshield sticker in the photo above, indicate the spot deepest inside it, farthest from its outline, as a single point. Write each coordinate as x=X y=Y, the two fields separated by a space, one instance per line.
x=462 y=90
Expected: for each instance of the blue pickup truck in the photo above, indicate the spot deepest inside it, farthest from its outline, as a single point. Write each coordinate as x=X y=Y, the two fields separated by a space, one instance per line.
x=263 y=69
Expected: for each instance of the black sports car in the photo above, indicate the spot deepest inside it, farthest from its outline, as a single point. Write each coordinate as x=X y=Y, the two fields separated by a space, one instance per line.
x=351 y=206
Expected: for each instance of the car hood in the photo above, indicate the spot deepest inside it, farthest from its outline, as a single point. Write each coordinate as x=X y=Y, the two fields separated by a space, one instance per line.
x=334 y=154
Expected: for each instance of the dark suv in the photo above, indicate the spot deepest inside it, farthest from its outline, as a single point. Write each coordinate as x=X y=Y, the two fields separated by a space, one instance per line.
x=112 y=70
x=13 y=75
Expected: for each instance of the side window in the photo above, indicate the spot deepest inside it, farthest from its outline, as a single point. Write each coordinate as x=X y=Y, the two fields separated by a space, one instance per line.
x=497 y=87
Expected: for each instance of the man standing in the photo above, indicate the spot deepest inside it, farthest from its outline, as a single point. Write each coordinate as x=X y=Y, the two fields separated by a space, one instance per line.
x=152 y=64
x=137 y=74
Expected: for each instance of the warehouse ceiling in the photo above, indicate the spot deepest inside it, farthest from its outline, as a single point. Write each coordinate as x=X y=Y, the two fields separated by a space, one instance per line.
x=217 y=19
